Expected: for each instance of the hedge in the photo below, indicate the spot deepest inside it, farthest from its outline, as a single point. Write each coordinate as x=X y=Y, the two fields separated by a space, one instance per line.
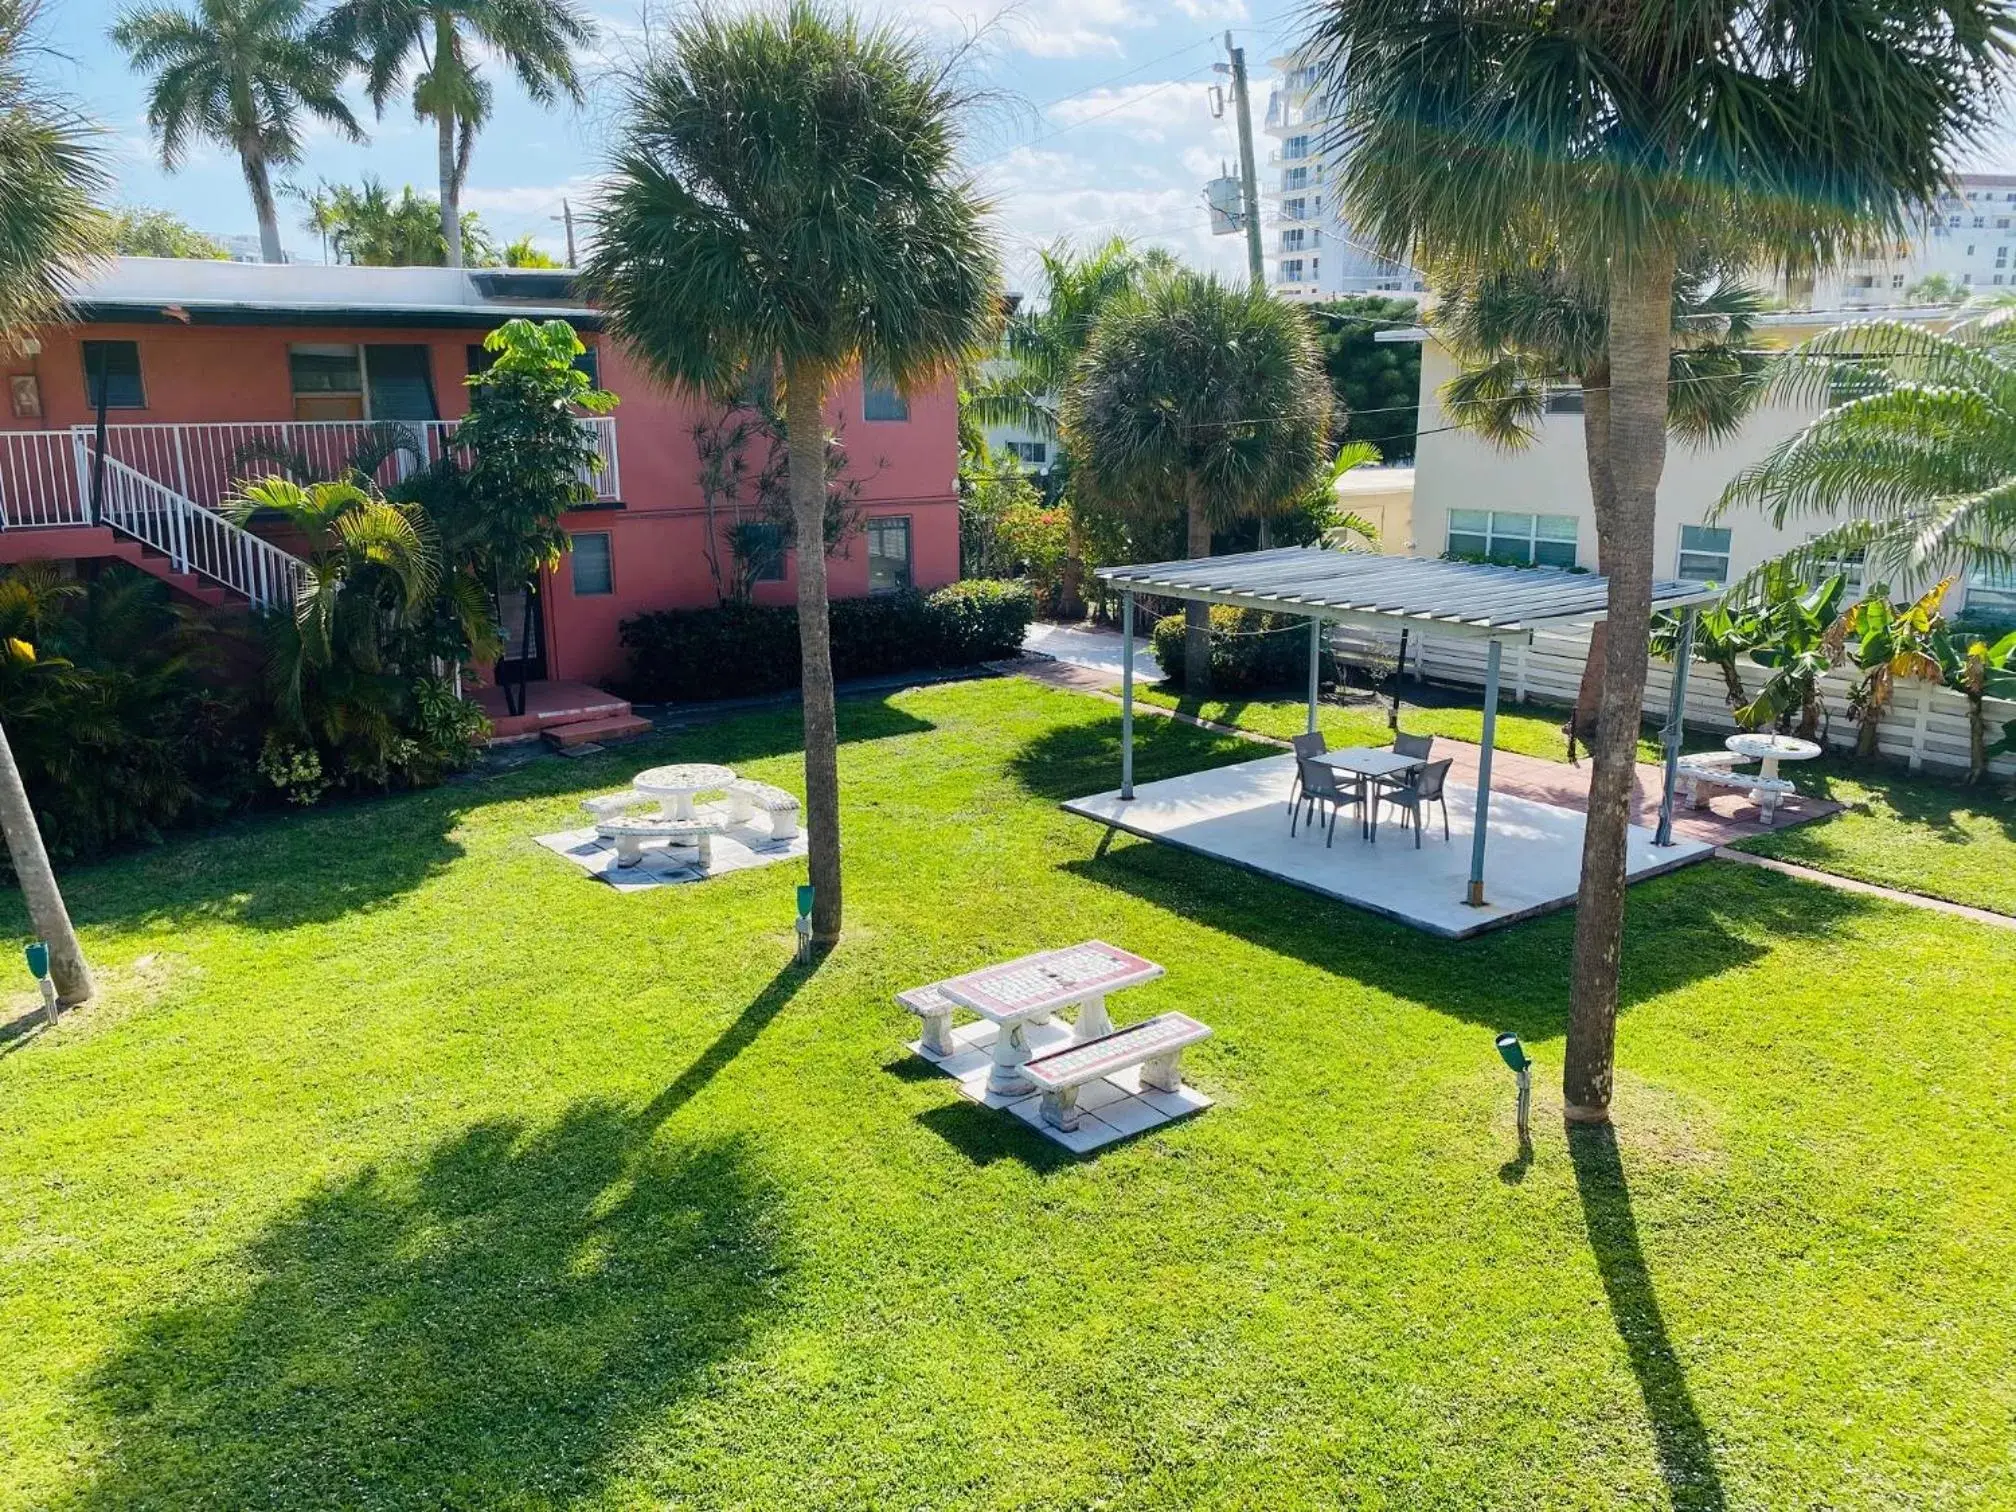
x=679 y=655
x=1250 y=650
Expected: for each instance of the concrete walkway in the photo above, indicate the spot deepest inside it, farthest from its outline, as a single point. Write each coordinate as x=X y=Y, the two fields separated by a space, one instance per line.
x=1084 y=646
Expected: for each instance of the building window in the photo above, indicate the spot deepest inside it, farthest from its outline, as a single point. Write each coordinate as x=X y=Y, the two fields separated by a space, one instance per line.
x=1295 y=209
x=1562 y=399
x=1953 y=221
x=1291 y=270
x=119 y=363
x=1295 y=146
x=882 y=400
x=1966 y=278
x=1291 y=241
x=1991 y=593
x=1315 y=267
x=1704 y=553
x=1850 y=569
x=1896 y=280
x=594 y=568
x=1980 y=220
x=2002 y=256
x=1998 y=278
x=760 y=545
x=1029 y=453
x=328 y=382
x=1294 y=178
x=888 y=553
x=1524 y=540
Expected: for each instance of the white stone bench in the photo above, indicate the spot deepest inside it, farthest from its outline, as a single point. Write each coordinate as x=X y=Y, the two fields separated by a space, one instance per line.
x=1156 y=1046
x=630 y=831
x=1696 y=774
x=934 y=1009
x=745 y=796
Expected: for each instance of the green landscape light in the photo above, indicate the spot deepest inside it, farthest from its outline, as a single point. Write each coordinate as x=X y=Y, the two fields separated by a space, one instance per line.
x=804 y=921
x=1515 y=1056
x=37 y=955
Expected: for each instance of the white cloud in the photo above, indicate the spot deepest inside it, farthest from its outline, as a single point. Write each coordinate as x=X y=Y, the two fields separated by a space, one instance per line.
x=1147 y=112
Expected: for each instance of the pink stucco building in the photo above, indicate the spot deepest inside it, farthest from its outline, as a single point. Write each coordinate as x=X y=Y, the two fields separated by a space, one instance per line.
x=205 y=363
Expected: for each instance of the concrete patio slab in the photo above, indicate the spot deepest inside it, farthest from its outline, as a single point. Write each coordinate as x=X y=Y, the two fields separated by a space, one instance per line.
x=1239 y=814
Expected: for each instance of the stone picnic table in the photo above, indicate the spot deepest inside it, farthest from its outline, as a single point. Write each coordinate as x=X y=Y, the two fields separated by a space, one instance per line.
x=676 y=786
x=1015 y=994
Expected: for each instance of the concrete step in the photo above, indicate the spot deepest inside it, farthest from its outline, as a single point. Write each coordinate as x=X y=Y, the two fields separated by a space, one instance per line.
x=615 y=727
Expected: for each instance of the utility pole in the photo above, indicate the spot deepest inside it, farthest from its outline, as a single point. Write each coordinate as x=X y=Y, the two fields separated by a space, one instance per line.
x=1249 y=177
x=566 y=215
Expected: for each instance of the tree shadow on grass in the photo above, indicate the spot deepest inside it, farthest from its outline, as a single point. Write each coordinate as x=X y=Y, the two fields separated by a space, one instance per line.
x=1686 y=1452
x=490 y=1326
x=731 y=1042
x=282 y=870
x=1679 y=929
x=1078 y=759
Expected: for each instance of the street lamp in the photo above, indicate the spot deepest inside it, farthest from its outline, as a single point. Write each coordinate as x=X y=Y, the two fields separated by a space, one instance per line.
x=1515 y=1056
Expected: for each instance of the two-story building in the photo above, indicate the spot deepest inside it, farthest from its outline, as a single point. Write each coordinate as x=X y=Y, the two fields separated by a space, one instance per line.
x=210 y=370
x=1533 y=505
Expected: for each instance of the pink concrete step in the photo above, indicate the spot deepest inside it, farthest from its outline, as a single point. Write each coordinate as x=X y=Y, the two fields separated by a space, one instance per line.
x=616 y=727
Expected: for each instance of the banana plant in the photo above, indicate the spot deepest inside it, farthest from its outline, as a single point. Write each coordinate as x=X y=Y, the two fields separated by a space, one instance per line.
x=1799 y=646
x=1724 y=634
x=1979 y=671
x=1885 y=641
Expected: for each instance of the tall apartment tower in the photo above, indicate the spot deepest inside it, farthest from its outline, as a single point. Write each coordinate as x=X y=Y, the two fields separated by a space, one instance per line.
x=1311 y=251
x=1968 y=235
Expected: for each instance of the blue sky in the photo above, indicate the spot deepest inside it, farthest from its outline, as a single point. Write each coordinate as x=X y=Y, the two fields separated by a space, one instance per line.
x=1105 y=124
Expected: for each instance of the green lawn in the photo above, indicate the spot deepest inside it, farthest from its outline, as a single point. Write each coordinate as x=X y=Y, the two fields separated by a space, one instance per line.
x=1921 y=833
x=1532 y=729
x=402 y=1166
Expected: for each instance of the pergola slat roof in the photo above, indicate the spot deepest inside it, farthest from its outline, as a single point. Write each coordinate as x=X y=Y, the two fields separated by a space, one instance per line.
x=1388 y=592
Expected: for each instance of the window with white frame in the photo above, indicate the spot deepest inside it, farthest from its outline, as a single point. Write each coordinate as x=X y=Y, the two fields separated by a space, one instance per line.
x=1562 y=399
x=1029 y=453
x=1291 y=270
x=1504 y=535
x=1704 y=554
x=1292 y=240
x=881 y=399
x=888 y=553
x=1294 y=178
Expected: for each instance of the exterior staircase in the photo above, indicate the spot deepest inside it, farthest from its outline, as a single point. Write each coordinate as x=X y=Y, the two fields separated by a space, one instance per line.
x=564 y=714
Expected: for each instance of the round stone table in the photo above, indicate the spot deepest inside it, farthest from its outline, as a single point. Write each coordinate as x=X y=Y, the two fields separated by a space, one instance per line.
x=675 y=786
x=1771 y=749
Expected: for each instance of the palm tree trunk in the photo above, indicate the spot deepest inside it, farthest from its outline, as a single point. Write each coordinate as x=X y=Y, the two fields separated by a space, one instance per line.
x=46 y=912
x=261 y=185
x=805 y=427
x=1197 y=616
x=451 y=188
x=1641 y=338
x=1602 y=497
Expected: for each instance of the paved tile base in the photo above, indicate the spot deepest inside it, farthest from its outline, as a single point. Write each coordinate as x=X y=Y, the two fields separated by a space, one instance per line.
x=737 y=848
x=1239 y=814
x=1111 y=1108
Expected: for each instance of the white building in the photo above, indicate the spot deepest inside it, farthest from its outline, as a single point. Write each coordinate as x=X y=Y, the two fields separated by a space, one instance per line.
x=1311 y=251
x=1967 y=235
x=1534 y=506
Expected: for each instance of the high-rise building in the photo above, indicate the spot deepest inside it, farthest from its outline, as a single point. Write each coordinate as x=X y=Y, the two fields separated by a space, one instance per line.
x=1311 y=251
x=1964 y=238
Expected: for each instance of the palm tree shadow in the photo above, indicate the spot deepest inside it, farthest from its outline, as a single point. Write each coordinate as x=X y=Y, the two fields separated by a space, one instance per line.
x=492 y=1324
x=731 y=1042
x=1686 y=1451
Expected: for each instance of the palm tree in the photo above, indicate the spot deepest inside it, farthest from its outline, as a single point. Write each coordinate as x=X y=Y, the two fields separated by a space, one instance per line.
x=1914 y=459
x=1200 y=401
x=787 y=198
x=438 y=40
x=246 y=74
x=1609 y=139
x=49 y=175
x=1521 y=332
x=1024 y=385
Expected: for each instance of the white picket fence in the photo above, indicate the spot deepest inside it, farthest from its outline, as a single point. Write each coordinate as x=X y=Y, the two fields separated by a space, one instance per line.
x=1925 y=725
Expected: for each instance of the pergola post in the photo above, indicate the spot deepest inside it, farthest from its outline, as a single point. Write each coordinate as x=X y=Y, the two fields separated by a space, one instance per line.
x=1482 y=821
x=1676 y=714
x=1127 y=695
x=1315 y=667
x=1399 y=671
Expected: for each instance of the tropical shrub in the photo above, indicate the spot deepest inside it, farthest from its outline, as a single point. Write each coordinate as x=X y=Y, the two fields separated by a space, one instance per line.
x=1883 y=642
x=1250 y=649
x=1979 y=670
x=736 y=649
x=119 y=720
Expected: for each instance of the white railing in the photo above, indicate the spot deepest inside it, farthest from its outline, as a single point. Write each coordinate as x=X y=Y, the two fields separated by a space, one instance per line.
x=39 y=481
x=195 y=540
x=206 y=462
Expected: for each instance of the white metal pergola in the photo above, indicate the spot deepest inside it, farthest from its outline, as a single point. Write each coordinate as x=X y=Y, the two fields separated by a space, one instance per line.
x=1386 y=593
